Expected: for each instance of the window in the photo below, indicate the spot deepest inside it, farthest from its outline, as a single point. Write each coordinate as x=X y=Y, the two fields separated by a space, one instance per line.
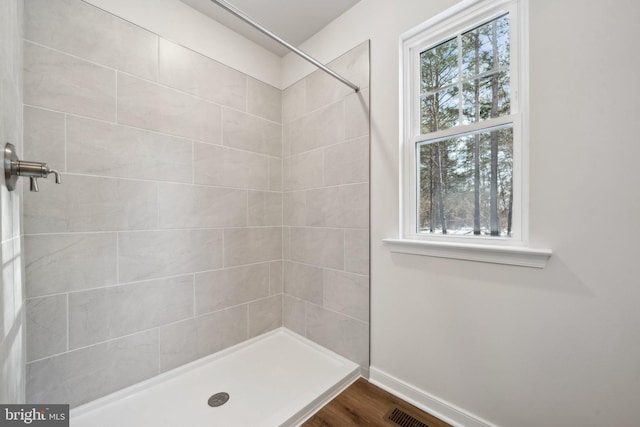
x=463 y=127
x=464 y=136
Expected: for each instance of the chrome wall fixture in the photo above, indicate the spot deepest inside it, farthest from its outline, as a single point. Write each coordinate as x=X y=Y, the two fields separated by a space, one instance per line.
x=237 y=12
x=14 y=168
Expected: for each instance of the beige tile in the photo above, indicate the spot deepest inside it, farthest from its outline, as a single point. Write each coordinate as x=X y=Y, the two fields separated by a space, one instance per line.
x=356 y=114
x=347 y=293
x=356 y=248
x=293 y=133
x=276 y=284
x=219 y=289
x=99 y=148
x=83 y=30
x=321 y=128
x=293 y=104
x=146 y=255
x=46 y=326
x=44 y=137
x=227 y=167
x=247 y=132
x=322 y=247
x=303 y=281
x=86 y=374
x=346 y=336
x=85 y=203
x=295 y=208
x=61 y=82
x=265 y=315
x=265 y=208
x=191 y=72
x=264 y=100
x=252 y=245
x=347 y=162
x=303 y=171
x=294 y=314
x=102 y=314
x=275 y=174
x=286 y=243
x=344 y=206
x=194 y=206
x=150 y=106
x=56 y=263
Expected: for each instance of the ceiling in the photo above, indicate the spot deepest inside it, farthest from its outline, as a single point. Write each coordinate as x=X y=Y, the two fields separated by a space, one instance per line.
x=293 y=20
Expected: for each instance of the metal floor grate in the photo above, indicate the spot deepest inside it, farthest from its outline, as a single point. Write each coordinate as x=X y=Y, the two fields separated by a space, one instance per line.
x=401 y=418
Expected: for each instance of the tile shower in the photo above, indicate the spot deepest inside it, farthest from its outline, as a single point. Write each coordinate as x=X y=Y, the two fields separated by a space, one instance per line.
x=199 y=207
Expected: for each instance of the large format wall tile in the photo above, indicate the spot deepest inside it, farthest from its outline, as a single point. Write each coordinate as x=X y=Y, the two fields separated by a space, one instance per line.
x=265 y=315
x=246 y=132
x=264 y=208
x=99 y=148
x=56 y=263
x=323 y=247
x=227 y=167
x=344 y=206
x=347 y=293
x=252 y=245
x=294 y=314
x=264 y=100
x=293 y=102
x=47 y=326
x=189 y=206
x=85 y=203
x=44 y=136
x=303 y=281
x=80 y=376
x=151 y=254
x=194 y=73
x=61 y=82
x=356 y=251
x=321 y=128
x=101 y=314
x=151 y=106
x=303 y=171
x=82 y=30
x=347 y=162
x=219 y=289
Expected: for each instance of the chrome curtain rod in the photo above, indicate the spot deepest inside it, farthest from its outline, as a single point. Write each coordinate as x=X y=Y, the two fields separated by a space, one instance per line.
x=285 y=43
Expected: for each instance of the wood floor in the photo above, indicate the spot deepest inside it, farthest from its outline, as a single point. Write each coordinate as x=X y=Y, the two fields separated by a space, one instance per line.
x=364 y=404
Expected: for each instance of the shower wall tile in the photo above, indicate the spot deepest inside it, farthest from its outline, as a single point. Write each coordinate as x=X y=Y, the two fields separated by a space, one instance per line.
x=152 y=254
x=151 y=106
x=292 y=134
x=347 y=162
x=82 y=375
x=56 y=263
x=347 y=293
x=356 y=114
x=47 y=326
x=321 y=128
x=227 y=167
x=265 y=315
x=64 y=83
x=191 y=72
x=276 y=284
x=293 y=102
x=104 y=39
x=265 y=208
x=294 y=314
x=192 y=339
x=323 y=247
x=275 y=174
x=303 y=281
x=252 y=245
x=247 y=132
x=295 y=208
x=100 y=148
x=44 y=136
x=189 y=206
x=356 y=251
x=344 y=335
x=303 y=171
x=344 y=206
x=85 y=203
x=219 y=289
x=264 y=100
x=101 y=314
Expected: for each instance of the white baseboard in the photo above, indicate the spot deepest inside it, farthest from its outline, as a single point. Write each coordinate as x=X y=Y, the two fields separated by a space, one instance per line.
x=425 y=401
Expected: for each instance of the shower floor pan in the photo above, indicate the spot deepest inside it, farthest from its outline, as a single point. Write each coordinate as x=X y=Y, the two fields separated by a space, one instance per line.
x=276 y=379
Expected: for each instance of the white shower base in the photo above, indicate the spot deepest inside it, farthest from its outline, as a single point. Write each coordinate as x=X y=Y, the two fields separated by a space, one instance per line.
x=277 y=379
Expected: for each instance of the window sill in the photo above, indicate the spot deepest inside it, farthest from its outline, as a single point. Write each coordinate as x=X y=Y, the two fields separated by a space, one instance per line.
x=510 y=255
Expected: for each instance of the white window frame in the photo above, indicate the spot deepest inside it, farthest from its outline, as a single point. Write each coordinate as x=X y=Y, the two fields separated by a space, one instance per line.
x=466 y=15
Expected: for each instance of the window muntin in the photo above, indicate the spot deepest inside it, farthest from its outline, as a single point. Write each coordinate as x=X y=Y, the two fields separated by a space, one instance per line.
x=464 y=131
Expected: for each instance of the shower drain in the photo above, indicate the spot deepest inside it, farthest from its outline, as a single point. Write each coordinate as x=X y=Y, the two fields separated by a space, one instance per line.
x=218 y=399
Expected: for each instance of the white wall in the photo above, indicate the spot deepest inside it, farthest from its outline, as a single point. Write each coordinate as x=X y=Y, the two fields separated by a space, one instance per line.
x=179 y=23
x=514 y=345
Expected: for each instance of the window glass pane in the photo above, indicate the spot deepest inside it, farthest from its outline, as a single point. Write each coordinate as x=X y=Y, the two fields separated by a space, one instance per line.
x=439 y=66
x=440 y=110
x=486 y=98
x=486 y=48
x=465 y=184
